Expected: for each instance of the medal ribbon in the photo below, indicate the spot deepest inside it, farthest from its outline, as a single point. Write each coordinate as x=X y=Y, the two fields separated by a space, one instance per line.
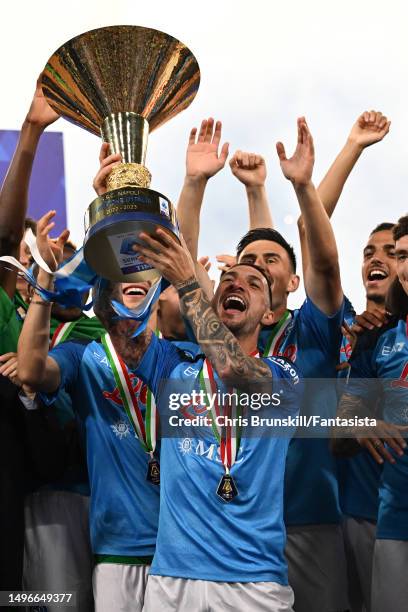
x=62 y=333
x=229 y=436
x=145 y=431
x=277 y=334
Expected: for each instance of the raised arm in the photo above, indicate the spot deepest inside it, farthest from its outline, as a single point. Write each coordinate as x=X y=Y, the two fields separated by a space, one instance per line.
x=322 y=277
x=221 y=347
x=14 y=192
x=250 y=170
x=35 y=368
x=202 y=162
x=370 y=127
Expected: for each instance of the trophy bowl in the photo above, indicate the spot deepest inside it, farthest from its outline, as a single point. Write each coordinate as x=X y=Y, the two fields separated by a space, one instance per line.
x=121 y=82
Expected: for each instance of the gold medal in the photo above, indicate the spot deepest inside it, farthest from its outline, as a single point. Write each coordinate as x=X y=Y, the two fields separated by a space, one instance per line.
x=153 y=472
x=227 y=489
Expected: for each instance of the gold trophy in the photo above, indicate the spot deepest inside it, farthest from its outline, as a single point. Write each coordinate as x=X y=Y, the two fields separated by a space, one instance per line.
x=121 y=82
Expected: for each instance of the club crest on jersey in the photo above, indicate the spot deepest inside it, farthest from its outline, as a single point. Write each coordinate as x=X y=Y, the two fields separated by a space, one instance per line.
x=121 y=429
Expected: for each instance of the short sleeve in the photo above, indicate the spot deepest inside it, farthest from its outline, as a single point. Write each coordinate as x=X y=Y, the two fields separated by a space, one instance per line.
x=325 y=329
x=287 y=382
x=68 y=357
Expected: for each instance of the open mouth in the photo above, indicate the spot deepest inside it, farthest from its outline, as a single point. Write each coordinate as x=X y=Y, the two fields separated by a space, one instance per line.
x=376 y=275
x=136 y=290
x=234 y=303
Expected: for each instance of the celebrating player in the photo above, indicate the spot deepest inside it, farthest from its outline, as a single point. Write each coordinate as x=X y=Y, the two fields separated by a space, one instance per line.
x=359 y=475
x=378 y=370
x=221 y=534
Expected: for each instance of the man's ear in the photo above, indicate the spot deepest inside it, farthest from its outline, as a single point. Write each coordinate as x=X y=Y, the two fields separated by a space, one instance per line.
x=268 y=318
x=293 y=283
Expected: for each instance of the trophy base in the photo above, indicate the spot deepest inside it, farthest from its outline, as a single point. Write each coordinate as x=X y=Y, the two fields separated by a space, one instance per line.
x=113 y=223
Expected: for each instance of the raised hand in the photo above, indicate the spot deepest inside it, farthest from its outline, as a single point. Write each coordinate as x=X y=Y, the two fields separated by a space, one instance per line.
x=205 y=262
x=173 y=260
x=226 y=261
x=249 y=168
x=298 y=168
x=40 y=113
x=51 y=250
x=203 y=159
x=107 y=162
x=370 y=127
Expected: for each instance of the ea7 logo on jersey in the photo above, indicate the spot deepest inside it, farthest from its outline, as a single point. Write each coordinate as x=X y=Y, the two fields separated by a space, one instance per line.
x=190 y=371
x=402 y=381
x=102 y=359
x=390 y=350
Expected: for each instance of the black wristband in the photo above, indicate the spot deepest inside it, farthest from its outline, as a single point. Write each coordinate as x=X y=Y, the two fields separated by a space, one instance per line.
x=192 y=286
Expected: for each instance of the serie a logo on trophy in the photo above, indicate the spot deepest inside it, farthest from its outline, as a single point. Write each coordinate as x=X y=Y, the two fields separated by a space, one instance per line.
x=121 y=82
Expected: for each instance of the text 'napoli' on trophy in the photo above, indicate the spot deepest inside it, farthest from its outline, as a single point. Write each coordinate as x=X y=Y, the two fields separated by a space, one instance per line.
x=120 y=82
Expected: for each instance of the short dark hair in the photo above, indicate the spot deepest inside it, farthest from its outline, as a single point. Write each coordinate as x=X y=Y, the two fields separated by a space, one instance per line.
x=267 y=233
x=400 y=228
x=261 y=270
x=382 y=227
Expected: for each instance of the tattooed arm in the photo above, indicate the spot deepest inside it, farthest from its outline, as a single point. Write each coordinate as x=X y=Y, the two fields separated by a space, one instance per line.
x=221 y=347
x=344 y=442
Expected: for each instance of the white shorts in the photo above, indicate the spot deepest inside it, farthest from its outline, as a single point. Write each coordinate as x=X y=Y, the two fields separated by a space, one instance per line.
x=57 y=552
x=166 y=594
x=317 y=568
x=359 y=540
x=389 y=591
x=119 y=588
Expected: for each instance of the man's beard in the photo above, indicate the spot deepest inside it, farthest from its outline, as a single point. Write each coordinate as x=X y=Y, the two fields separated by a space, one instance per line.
x=241 y=329
x=377 y=298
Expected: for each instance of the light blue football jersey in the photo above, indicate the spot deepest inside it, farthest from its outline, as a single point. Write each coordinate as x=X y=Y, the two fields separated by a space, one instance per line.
x=124 y=506
x=311 y=340
x=359 y=476
x=379 y=367
x=201 y=536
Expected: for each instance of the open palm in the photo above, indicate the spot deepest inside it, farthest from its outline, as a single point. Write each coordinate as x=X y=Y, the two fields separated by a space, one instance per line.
x=52 y=251
x=203 y=159
x=298 y=168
